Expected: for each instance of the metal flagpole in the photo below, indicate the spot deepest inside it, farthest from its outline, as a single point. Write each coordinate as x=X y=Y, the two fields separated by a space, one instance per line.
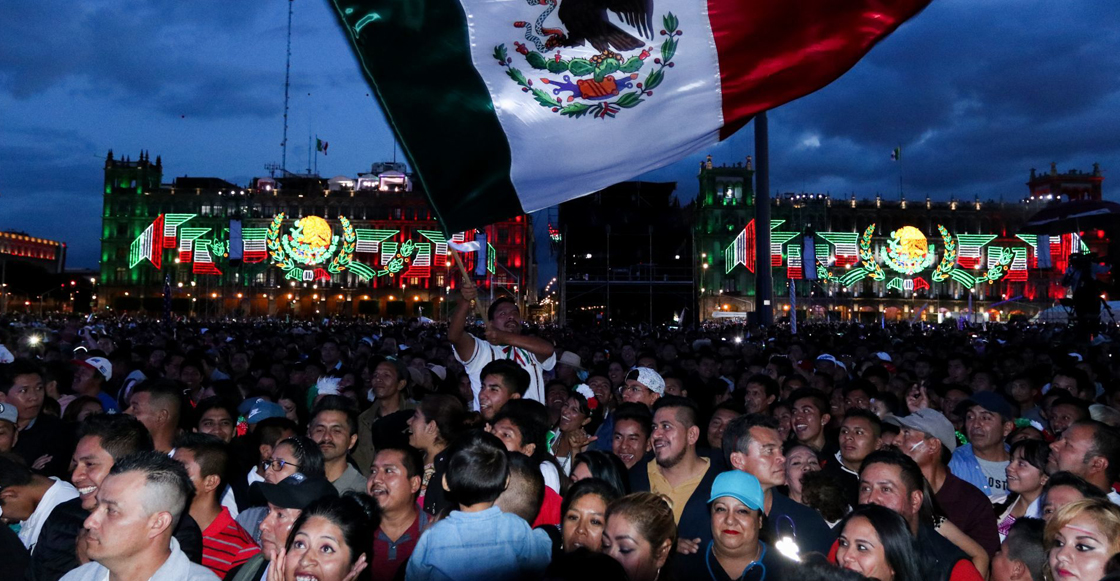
x=763 y=280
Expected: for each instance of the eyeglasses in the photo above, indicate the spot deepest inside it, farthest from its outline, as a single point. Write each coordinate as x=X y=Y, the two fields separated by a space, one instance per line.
x=276 y=465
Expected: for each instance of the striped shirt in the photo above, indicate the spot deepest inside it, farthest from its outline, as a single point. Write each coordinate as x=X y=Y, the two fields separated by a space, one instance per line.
x=225 y=545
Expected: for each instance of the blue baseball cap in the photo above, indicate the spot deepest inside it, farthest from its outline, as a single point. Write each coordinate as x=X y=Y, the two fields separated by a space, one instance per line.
x=988 y=400
x=262 y=410
x=741 y=486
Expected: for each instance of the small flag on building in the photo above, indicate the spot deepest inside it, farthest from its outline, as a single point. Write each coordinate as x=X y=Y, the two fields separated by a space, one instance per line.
x=509 y=107
x=321 y=145
x=896 y=154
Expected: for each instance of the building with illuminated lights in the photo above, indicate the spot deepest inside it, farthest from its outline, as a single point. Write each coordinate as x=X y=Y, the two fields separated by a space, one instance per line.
x=29 y=267
x=895 y=259
x=298 y=245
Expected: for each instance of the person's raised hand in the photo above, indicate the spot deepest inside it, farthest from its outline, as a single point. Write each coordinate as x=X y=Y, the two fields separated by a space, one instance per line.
x=468 y=290
x=357 y=569
x=276 y=571
x=578 y=441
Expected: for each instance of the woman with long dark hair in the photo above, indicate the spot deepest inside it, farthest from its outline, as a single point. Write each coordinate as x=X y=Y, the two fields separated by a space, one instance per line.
x=876 y=543
x=1026 y=477
x=604 y=466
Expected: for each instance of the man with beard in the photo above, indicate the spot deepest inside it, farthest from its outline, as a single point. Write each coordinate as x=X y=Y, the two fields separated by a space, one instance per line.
x=1091 y=450
x=678 y=472
x=334 y=427
x=751 y=444
x=503 y=341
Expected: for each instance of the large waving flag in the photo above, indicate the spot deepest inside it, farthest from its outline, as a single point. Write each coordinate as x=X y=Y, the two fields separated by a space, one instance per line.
x=504 y=106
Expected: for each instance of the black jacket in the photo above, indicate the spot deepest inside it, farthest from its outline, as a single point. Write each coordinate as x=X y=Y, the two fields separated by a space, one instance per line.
x=47 y=435
x=55 y=553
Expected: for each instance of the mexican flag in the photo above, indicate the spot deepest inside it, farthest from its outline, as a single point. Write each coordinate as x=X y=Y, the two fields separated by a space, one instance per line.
x=505 y=106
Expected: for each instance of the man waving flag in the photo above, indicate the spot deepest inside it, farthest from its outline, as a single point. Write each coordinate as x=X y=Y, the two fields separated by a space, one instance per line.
x=505 y=106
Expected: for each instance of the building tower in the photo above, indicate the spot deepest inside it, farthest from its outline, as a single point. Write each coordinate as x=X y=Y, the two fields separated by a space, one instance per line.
x=125 y=213
x=723 y=209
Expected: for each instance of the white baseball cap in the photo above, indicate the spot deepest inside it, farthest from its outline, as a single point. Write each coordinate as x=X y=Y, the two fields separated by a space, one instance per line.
x=9 y=412
x=98 y=364
x=649 y=378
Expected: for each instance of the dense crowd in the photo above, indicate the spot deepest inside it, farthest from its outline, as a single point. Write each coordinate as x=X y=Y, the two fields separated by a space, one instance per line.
x=261 y=450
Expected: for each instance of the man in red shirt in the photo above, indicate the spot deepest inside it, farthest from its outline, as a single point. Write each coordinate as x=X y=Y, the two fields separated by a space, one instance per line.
x=225 y=544
x=394 y=482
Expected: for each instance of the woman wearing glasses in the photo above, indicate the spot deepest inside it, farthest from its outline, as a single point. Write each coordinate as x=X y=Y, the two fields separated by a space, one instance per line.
x=291 y=455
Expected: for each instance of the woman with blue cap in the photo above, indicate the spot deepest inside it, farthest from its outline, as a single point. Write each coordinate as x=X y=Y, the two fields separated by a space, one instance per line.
x=735 y=551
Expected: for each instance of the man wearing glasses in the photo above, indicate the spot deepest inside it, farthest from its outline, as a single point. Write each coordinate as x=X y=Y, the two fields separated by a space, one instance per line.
x=643 y=385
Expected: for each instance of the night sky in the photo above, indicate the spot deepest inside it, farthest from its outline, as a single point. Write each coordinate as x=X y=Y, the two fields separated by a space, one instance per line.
x=976 y=92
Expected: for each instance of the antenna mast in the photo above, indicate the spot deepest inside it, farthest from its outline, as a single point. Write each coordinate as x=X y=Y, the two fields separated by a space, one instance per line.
x=287 y=85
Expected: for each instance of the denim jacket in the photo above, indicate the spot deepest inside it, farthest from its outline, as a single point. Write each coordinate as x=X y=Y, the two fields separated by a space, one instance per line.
x=965 y=466
x=485 y=545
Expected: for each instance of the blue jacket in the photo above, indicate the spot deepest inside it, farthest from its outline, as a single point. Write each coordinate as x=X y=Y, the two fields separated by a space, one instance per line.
x=488 y=545
x=965 y=466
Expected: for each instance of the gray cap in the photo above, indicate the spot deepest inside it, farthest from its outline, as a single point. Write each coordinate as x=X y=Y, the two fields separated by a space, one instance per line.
x=934 y=423
x=9 y=412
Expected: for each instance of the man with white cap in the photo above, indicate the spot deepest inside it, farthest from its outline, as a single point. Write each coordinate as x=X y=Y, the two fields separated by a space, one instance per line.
x=90 y=376
x=8 y=432
x=643 y=385
x=929 y=439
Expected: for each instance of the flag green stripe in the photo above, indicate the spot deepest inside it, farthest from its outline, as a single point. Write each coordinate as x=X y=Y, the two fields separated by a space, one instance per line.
x=454 y=136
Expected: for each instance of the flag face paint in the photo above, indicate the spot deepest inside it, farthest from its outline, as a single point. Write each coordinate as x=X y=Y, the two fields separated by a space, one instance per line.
x=505 y=106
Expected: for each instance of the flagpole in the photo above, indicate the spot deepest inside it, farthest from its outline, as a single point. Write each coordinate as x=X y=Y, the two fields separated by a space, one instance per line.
x=899 y=150
x=466 y=277
x=763 y=281
x=316 y=155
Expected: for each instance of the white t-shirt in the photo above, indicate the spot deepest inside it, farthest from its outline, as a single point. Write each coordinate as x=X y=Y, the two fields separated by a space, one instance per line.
x=551 y=476
x=58 y=493
x=484 y=353
x=996 y=473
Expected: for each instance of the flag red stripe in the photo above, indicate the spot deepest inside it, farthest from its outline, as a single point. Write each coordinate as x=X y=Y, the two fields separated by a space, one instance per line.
x=772 y=52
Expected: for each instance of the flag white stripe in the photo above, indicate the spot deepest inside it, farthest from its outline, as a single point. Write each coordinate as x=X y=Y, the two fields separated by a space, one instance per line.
x=683 y=116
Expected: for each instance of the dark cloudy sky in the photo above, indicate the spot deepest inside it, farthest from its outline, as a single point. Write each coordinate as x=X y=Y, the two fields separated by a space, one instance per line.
x=976 y=92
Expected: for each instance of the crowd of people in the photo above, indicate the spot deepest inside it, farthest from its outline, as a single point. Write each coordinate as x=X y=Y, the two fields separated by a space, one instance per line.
x=263 y=450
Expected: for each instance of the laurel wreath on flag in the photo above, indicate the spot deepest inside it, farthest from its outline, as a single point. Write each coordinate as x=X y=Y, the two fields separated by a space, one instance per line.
x=867 y=256
x=600 y=68
x=948 y=259
x=346 y=255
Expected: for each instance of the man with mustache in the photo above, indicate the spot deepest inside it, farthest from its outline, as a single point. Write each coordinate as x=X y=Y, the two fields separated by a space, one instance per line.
x=334 y=426
x=394 y=482
x=677 y=471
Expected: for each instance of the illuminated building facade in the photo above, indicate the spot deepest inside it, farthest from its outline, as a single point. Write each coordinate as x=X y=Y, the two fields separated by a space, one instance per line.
x=294 y=245
x=892 y=259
